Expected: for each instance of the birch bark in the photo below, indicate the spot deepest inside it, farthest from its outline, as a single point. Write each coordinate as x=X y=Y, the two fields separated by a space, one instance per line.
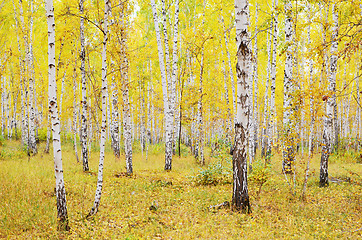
x=115 y=124
x=127 y=123
x=83 y=134
x=288 y=112
x=328 y=118
x=75 y=113
x=53 y=110
x=32 y=140
x=240 y=199
x=231 y=72
x=98 y=194
x=167 y=112
x=273 y=120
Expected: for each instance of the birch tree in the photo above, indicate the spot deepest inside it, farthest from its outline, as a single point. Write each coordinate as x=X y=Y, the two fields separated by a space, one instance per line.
x=272 y=125
x=83 y=133
x=240 y=200
x=127 y=120
x=167 y=113
x=53 y=110
x=98 y=194
x=330 y=103
x=115 y=124
x=32 y=140
x=288 y=112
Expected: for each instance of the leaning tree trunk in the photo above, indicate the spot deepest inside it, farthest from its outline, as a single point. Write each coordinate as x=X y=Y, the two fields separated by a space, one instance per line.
x=288 y=114
x=240 y=200
x=98 y=194
x=83 y=133
x=53 y=110
x=328 y=119
x=167 y=116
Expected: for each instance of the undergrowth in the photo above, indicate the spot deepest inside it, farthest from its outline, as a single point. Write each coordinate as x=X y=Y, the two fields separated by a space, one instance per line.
x=154 y=204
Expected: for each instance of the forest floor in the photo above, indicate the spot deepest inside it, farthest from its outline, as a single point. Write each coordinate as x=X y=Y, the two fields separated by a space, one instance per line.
x=181 y=207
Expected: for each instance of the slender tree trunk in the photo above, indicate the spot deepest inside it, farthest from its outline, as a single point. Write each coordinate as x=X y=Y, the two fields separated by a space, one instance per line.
x=358 y=114
x=115 y=124
x=256 y=92
x=264 y=137
x=174 y=71
x=311 y=111
x=273 y=122
x=167 y=112
x=288 y=114
x=53 y=110
x=127 y=120
x=231 y=72
x=200 y=122
x=240 y=200
x=83 y=135
x=229 y=116
x=328 y=119
x=75 y=113
x=32 y=140
x=98 y=194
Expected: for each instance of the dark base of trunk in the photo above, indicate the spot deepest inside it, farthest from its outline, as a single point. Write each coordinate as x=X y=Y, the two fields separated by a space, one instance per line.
x=287 y=167
x=63 y=224
x=323 y=181
x=85 y=166
x=243 y=206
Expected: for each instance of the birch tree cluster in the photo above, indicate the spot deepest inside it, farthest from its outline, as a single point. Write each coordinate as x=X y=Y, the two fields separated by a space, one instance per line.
x=141 y=73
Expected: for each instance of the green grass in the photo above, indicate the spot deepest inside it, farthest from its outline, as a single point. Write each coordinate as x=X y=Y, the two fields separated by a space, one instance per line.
x=28 y=205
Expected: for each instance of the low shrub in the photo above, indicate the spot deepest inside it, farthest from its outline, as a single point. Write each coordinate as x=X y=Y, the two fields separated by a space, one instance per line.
x=214 y=174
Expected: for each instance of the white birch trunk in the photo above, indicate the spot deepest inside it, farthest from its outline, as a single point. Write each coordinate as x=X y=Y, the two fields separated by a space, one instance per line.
x=328 y=118
x=240 y=199
x=288 y=121
x=83 y=134
x=174 y=72
x=115 y=124
x=231 y=72
x=25 y=129
x=167 y=112
x=53 y=110
x=32 y=140
x=264 y=136
x=256 y=92
x=273 y=119
x=98 y=194
x=127 y=120
x=75 y=114
x=2 y=108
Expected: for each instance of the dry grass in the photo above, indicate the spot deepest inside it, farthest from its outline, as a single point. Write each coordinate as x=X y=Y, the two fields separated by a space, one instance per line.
x=28 y=207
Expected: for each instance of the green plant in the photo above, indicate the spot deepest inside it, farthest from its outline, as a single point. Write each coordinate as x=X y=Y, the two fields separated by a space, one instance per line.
x=260 y=174
x=214 y=174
